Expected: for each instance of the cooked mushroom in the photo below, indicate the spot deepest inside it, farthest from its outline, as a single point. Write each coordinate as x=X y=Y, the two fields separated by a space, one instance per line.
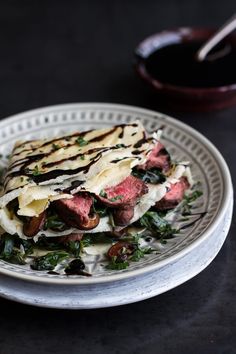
x=34 y=225
x=90 y=223
x=120 y=249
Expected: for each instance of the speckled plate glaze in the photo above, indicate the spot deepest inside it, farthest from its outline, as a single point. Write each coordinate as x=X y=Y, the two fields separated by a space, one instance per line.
x=184 y=143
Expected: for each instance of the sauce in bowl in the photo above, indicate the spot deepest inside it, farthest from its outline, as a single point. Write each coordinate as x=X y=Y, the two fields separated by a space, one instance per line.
x=176 y=65
x=167 y=62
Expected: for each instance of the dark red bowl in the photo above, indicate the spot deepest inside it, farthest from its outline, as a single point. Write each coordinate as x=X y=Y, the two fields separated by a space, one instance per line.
x=179 y=97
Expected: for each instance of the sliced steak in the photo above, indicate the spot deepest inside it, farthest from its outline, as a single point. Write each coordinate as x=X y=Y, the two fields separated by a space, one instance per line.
x=124 y=194
x=174 y=196
x=75 y=211
x=123 y=216
x=158 y=157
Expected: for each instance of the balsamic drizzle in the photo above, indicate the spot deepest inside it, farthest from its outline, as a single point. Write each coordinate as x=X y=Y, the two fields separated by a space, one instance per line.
x=141 y=141
x=42 y=176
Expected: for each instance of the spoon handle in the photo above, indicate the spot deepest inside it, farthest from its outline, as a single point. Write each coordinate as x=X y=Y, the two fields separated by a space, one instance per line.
x=222 y=32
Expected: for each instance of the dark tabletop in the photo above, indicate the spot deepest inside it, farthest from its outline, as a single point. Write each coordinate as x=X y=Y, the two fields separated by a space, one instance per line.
x=80 y=51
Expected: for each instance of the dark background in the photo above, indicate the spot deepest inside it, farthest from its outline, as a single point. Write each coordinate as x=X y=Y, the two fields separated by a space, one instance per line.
x=79 y=51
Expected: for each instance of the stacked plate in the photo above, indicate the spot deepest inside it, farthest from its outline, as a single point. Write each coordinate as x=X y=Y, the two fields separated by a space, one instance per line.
x=179 y=259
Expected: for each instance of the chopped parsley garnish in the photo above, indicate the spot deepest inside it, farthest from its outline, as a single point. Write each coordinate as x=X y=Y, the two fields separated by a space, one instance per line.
x=55 y=147
x=193 y=196
x=123 y=254
x=49 y=261
x=36 y=171
x=101 y=210
x=153 y=175
x=54 y=222
x=74 y=247
x=118 y=146
x=116 y=264
x=118 y=197
x=113 y=199
x=157 y=225
x=103 y=193
x=81 y=141
x=188 y=200
x=139 y=253
x=13 y=249
x=82 y=157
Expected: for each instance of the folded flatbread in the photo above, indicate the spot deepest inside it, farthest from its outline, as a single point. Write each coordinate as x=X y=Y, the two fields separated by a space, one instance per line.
x=73 y=176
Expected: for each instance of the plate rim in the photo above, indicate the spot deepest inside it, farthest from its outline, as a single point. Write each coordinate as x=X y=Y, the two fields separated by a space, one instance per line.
x=227 y=195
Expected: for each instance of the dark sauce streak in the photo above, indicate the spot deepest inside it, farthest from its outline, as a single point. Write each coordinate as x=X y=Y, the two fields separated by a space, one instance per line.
x=141 y=141
x=54 y=174
x=118 y=160
x=22 y=170
x=137 y=152
x=120 y=136
x=29 y=159
x=74 y=184
x=68 y=137
x=75 y=157
x=34 y=158
x=50 y=142
x=53 y=272
x=102 y=136
x=58 y=172
x=41 y=177
x=123 y=126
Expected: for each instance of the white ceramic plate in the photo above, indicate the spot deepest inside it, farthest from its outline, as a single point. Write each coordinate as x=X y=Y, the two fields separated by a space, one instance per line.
x=183 y=142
